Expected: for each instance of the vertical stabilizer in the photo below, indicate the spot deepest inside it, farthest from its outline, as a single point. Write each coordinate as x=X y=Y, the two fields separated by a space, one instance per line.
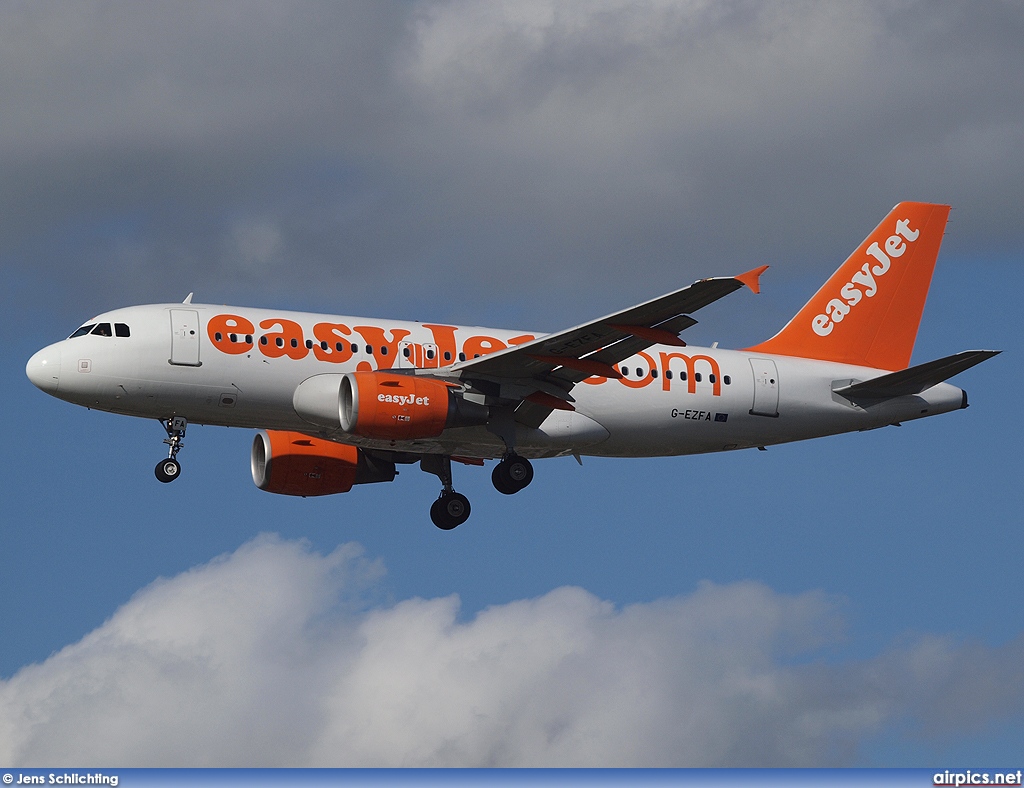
x=868 y=312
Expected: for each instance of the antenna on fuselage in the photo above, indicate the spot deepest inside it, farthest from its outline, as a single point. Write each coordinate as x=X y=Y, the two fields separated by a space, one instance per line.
x=188 y=298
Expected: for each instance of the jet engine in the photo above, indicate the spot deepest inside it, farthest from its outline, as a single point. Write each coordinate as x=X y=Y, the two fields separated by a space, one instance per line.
x=385 y=405
x=290 y=463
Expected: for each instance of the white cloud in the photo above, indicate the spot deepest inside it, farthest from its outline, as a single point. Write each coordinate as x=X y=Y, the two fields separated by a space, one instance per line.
x=273 y=656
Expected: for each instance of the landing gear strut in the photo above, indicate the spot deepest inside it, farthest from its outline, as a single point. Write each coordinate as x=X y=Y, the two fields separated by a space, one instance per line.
x=512 y=474
x=451 y=509
x=168 y=470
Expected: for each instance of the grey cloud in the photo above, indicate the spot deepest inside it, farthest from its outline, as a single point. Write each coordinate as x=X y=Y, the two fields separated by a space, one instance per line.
x=459 y=154
x=278 y=656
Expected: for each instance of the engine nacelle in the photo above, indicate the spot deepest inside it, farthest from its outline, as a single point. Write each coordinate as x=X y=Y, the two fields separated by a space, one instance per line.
x=290 y=463
x=386 y=406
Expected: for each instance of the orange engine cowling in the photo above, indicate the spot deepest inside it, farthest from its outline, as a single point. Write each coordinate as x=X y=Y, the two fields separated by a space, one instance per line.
x=290 y=463
x=403 y=407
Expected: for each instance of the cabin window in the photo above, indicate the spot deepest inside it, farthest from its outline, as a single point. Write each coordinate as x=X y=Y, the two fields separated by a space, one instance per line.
x=309 y=344
x=447 y=355
x=668 y=374
x=654 y=373
x=711 y=377
x=122 y=330
x=430 y=353
x=696 y=376
x=462 y=356
x=218 y=337
x=280 y=341
x=405 y=352
x=295 y=343
x=263 y=340
x=625 y=372
x=369 y=350
x=727 y=380
x=355 y=348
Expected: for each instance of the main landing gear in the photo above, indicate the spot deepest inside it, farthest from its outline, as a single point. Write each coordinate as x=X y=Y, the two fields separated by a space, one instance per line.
x=451 y=509
x=168 y=470
x=512 y=474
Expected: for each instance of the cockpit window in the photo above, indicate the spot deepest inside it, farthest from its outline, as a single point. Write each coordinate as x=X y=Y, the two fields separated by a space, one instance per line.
x=102 y=330
x=82 y=331
x=122 y=330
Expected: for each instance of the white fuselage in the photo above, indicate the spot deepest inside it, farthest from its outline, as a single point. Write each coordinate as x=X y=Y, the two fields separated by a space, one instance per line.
x=204 y=363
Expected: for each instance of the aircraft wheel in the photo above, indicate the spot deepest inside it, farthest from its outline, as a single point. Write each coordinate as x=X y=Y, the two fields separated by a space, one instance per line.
x=450 y=510
x=501 y=482
x=512 y=474
x=167 y=470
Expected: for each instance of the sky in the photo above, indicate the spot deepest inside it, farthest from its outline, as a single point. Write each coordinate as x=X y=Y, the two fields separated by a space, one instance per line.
x=850 y=601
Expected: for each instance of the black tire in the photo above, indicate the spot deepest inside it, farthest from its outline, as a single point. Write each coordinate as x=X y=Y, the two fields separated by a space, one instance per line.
x=450 y=511
x=167 y=470
x=512 y=474
x=501 y=481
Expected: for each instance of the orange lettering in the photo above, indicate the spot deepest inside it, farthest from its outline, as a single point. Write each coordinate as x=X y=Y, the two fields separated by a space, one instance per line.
x=480 y=346
x=334 y=336
x=444 y=338
x=222 y=328
x=646 y=380
x=691 y=378
x=384 y=350
x=288 y=342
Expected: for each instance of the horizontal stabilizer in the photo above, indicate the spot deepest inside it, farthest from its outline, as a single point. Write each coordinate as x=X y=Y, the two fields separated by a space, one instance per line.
x=914 y=380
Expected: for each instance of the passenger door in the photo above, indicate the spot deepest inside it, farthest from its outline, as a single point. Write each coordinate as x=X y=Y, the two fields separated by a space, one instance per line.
x=185 y=337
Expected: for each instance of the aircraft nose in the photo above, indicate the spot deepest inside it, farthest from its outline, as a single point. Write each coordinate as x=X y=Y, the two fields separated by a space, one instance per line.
x=43 y=369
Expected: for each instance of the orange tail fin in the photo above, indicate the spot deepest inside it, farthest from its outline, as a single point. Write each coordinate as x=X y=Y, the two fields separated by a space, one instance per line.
x=868 y=312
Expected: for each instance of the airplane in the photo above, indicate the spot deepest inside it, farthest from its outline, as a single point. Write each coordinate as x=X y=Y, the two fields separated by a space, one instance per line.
x=340 y=401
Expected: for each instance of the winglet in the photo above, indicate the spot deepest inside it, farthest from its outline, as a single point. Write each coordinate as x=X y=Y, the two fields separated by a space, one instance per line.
x=752 y=278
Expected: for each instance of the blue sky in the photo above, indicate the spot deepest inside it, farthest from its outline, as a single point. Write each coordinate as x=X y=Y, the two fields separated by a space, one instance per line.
x=848 y=601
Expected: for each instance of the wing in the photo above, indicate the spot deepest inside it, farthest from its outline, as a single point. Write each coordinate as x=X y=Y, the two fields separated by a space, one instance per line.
x=540 y=374
x=914 y=380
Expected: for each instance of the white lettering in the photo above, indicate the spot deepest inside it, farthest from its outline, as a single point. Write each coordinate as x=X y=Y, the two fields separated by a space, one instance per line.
x=894 y=246
x=875 y=251
x=864 y=277
x=851 y=294
x=837 y=309
x=903 y=228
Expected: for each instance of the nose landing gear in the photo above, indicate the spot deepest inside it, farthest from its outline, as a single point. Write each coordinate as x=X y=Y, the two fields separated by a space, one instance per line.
x=168 y=470
x=451 y=509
